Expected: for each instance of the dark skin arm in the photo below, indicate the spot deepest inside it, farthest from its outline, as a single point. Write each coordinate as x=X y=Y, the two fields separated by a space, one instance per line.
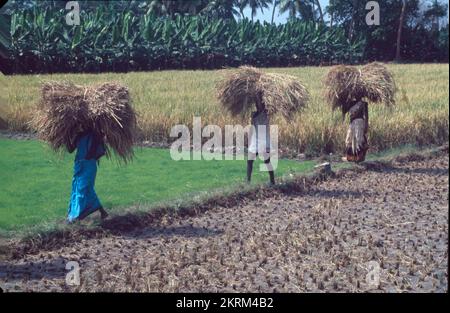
x=71 y=147
x=259 y=104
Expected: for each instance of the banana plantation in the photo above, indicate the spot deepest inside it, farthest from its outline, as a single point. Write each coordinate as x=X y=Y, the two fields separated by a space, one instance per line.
x=106 y=40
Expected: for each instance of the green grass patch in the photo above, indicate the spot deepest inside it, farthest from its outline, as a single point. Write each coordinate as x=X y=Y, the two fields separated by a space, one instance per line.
x=35 y=183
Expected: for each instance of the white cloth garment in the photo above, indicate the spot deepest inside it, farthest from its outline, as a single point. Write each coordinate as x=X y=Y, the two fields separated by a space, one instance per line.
x=260 y=134
x=355 y=135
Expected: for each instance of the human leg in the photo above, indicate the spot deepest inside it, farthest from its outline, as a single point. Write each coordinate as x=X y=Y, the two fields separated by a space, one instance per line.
x=271 y=172
x=249 y=169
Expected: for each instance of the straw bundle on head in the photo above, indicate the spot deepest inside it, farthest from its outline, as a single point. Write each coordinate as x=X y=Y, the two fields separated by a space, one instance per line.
x=379 y=84
x=279 y=93
x=345 y=84
x=282 y=94
x=238 y=90
x=61 y=114
x=113 y=117
x=66 y=110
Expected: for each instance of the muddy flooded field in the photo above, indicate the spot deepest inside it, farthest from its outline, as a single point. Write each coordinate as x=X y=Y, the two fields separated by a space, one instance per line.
x=380 y=230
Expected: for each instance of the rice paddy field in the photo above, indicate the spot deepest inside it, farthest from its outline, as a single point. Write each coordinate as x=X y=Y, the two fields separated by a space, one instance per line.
x=303 y=235
x=167 y=98
x=325 y=237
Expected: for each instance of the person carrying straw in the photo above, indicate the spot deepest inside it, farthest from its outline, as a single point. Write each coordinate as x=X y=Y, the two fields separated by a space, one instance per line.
x=271 y=94
x=260 y=139
x=83 y=200
x=351 y=89
x=93 y=120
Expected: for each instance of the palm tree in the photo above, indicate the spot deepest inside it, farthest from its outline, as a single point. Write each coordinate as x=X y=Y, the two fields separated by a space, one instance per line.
x=192 y=6
x=275 y=4
x=258 y=4
x=290 y=6
x=435 y=12
x=254 y=5
x=331 y=13
x=225 y=9
x=170 y=7
x=242 y=4
x=319 y=8
x=351 y=31
x=399 y=32
x=162 y=7
x=304 y=8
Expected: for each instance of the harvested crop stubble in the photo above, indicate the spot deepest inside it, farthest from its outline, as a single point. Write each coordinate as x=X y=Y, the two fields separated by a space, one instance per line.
x=283 y=94
x=346 y=83
x=66 y=110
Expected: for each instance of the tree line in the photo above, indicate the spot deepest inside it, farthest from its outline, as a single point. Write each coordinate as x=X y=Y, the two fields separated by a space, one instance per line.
x=115 y=35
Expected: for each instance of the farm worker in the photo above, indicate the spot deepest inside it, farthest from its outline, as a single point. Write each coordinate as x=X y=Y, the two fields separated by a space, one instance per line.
x=83 y=200
x=356 y=141
x=348 y=88
x=260 y=139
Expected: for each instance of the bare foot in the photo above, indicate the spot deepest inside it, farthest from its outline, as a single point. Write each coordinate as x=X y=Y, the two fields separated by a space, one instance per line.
x=103 y=213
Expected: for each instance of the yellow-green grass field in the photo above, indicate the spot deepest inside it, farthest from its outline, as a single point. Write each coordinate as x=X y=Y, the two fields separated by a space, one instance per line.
x=166 y=98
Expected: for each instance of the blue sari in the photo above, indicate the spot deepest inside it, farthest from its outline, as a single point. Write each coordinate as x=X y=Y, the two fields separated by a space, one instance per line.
x=84 y=200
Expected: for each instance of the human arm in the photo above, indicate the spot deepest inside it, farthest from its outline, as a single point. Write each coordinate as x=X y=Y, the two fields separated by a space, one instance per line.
x=357 y=111
x=71 y=146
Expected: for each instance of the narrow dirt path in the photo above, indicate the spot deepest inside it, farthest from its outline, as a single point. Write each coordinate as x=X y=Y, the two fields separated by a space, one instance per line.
x=321 y=240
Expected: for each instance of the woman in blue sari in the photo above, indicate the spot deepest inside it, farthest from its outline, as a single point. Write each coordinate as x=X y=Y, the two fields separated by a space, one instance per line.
x=83 y=200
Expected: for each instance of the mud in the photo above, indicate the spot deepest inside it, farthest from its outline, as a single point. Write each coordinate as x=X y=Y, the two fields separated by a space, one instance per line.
x=381 y=229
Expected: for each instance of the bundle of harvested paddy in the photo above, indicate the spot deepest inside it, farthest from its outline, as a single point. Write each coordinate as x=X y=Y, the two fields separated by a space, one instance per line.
x=373 y=82
x=379 y=83
x=239 y=89
x=67 y=110
x=279 y=93
x=343 y=83
x=61 y=114
x=113 y=117
x=282 y=94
